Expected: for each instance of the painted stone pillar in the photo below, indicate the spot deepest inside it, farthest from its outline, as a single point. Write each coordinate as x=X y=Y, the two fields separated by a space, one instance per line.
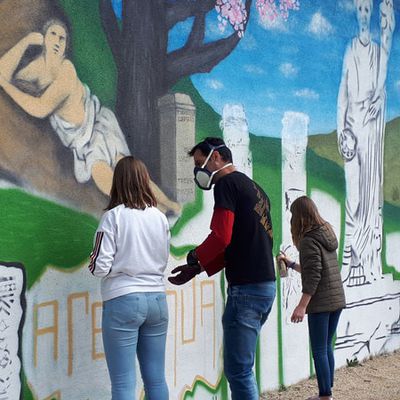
x=236 y=136
x=177 y=124
x=296 y=365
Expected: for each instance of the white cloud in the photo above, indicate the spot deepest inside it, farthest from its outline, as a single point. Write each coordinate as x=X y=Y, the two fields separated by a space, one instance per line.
x=214 y=84
x=271 y=95
x=253 y=69
x=346 y=5
x=248 y=42
x=288 y=70
x=319 y=25
x=278 y=24
x=270 y=110
x=307 y=94
x=213 y=31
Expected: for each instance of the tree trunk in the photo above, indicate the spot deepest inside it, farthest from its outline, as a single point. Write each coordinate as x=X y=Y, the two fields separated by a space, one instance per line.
x=141 y=73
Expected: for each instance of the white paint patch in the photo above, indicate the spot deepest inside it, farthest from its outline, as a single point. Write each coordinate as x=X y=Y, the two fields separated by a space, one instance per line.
x=198 y=228
x=329 y=208
x=11 y=312
x=393 y=250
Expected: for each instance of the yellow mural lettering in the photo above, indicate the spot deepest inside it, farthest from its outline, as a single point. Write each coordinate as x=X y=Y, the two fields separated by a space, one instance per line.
x=193 y=315
x=71 y=298
x=211 y=305
x=54 y=396
x=96 y=331
x=53 y=329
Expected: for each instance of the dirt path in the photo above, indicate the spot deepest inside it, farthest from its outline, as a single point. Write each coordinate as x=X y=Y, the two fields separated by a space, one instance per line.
x=374 y=379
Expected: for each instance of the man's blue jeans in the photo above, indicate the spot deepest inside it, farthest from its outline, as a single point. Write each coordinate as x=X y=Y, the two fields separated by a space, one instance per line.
x=322 y=328
x=247 y=308
x=132 y=324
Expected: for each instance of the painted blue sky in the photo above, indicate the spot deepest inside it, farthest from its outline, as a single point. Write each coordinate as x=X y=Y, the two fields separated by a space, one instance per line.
x=293 y=65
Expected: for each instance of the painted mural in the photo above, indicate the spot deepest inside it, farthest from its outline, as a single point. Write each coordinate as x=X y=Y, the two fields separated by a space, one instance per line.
x=305 y=93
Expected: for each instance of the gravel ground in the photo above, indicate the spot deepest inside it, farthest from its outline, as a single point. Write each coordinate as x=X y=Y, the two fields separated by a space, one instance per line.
x=375 y=379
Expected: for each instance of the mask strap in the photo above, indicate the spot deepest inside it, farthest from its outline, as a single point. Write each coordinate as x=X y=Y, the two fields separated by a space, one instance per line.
x=213 y=148
x=225 y=166
x=208 y=158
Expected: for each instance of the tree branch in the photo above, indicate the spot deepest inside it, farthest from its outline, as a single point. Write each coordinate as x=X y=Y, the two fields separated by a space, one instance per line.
x=110 y=26
x=188 y=61
x=183 y=9
x=200 y=57
x=196 y=36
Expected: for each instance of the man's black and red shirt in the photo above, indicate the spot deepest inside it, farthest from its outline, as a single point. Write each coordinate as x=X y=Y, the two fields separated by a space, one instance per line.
x=241 y=238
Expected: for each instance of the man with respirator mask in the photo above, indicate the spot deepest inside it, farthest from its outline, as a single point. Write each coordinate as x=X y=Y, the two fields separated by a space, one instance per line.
x=241 y=242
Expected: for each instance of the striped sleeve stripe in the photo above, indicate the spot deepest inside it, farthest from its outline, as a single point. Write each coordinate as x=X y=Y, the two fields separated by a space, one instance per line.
x=94 y=254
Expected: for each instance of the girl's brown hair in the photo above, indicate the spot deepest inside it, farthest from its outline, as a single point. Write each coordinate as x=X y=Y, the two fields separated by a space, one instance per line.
x=305 y=217
x=131 y=185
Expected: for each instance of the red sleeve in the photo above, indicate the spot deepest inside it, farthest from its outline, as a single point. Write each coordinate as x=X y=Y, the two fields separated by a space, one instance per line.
x=214 y=246
x=215 y=265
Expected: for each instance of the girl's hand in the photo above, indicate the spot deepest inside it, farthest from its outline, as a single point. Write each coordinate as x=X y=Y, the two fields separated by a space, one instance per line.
x=282 y=257
x=298 y=314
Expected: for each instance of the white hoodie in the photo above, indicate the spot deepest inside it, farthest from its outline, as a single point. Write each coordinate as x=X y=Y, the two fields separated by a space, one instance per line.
x=131 y=249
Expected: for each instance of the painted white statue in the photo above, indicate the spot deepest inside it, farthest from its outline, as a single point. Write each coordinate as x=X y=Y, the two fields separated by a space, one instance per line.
x=361 y=128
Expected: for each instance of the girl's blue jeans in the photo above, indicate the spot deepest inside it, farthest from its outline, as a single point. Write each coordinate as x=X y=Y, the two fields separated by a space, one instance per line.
x=322 y=328
x=136 y=324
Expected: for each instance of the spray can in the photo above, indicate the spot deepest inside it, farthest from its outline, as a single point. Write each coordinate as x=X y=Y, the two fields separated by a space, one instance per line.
x=282 y=268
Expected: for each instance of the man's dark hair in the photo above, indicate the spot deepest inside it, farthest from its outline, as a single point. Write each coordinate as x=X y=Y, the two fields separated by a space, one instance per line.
x=210 y=142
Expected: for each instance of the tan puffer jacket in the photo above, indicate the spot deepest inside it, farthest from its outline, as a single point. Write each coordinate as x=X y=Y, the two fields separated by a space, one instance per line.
x=320 y=274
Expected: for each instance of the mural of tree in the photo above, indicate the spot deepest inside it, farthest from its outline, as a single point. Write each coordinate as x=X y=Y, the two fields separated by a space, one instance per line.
x=145 y=68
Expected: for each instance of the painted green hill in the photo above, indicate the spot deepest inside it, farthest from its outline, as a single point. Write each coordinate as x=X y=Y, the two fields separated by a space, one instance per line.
x=326 y=147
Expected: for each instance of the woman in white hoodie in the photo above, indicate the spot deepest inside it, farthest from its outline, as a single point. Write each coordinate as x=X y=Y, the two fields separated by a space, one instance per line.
x=130 y=254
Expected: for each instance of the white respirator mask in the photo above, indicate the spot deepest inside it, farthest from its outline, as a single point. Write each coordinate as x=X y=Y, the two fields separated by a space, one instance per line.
x=202 y=176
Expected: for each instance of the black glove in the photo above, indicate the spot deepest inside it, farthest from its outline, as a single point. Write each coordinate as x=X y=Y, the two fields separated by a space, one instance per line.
x=191 y=258
x=187 y=271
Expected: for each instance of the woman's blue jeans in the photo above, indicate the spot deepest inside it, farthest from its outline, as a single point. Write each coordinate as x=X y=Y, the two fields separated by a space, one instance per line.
x=136 y=324
x=247 y=309
x=322 y=328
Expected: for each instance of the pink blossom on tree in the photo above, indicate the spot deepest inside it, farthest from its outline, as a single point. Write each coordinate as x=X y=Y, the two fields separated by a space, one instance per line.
x=234 y=12
x=270 y=9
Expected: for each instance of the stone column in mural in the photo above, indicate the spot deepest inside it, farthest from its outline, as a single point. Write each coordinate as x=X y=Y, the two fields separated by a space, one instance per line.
x=294 y=185
x=236 y=136
x=177 y=124
x=12 y=313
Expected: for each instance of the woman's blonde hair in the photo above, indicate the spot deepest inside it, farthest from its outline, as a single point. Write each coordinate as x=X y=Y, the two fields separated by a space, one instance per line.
x=305 y=217
x=131 y=185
